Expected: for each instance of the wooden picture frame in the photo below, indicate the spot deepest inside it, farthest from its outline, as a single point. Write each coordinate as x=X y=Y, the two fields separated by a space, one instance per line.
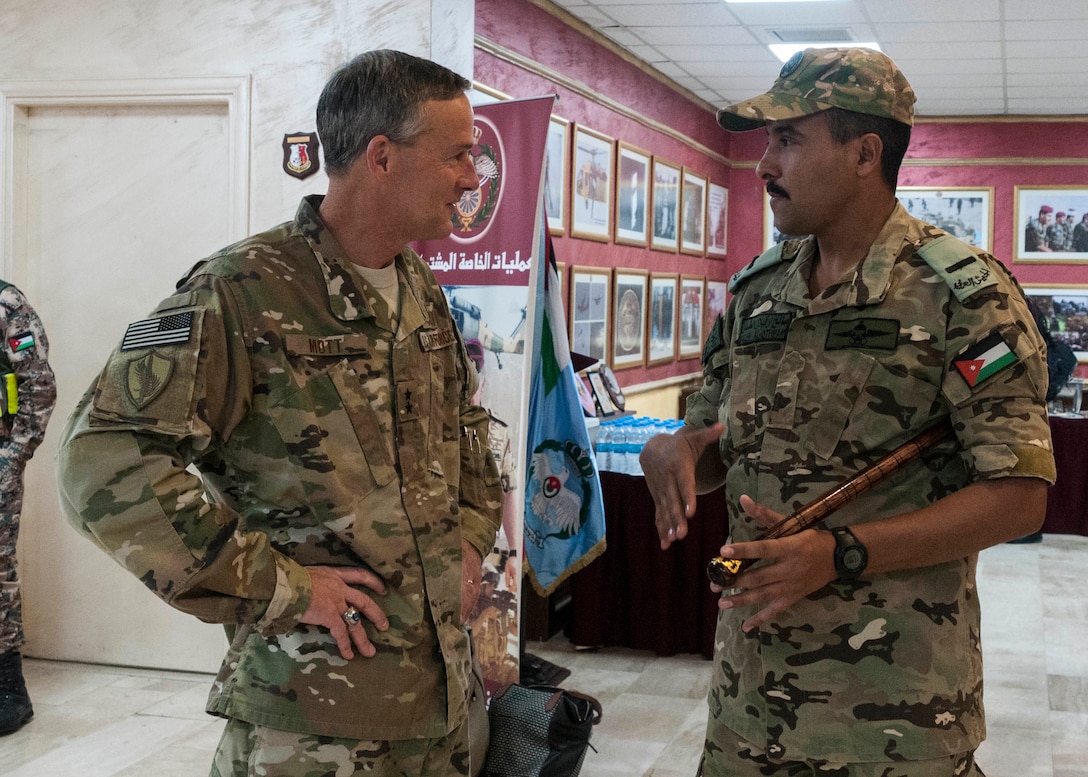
x=591 y=185
x=964 y=211
x=1029 y=201
x=629 y=288
x=716 y=299
x=632 y=195
x=1065 y=309
x=690 y=322
x=600 y=393
x=557 y=175
x=665 y=202
x=661 y=328
x=591 y=295
x=693 y=213
x=717 y=220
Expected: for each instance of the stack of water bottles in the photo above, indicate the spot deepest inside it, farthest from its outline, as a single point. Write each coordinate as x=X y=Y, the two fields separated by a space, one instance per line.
x=620 y=441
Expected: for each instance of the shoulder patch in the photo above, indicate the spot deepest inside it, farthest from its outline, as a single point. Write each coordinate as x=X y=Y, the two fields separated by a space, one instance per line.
x=986 y=357
x=713 y=341
x=768 y=258
x=961 y=267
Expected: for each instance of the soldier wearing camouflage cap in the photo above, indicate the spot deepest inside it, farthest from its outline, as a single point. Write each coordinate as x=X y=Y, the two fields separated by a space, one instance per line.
x=855 y=650
x=312 y=374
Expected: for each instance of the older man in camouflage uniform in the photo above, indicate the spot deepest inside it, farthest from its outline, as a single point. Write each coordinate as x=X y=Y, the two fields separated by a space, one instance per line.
x=314 y=377
x=27 y=395
x=855 y=651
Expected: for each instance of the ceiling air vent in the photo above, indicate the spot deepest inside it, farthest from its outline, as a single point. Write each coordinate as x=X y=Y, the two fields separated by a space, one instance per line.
x=812 y=34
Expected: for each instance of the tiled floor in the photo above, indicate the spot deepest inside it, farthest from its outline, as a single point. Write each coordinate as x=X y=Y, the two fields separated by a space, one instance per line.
x=98 y=721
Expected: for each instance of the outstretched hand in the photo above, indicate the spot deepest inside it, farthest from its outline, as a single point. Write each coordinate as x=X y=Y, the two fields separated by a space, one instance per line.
x=669 y=463
x=333 y=591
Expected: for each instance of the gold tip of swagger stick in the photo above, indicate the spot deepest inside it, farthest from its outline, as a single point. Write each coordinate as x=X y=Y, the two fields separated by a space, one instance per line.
x=724 y=571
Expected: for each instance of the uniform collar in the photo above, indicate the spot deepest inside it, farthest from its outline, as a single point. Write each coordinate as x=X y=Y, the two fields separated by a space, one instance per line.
x=872 y=276
x=347 y=299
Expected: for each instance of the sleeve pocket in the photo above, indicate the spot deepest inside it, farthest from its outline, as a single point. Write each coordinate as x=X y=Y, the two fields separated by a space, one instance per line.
x=152 y=386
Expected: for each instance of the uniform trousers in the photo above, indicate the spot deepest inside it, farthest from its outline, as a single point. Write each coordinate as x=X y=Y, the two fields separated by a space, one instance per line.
x=730 y=755
x=249 y=750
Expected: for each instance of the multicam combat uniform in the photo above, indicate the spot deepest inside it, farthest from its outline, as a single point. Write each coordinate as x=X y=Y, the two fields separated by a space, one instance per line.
x=811 y=391
x=24 y=355
x=324 y=436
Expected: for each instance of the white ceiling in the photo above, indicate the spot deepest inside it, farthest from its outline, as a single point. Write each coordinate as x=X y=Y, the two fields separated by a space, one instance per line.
x=963 y=57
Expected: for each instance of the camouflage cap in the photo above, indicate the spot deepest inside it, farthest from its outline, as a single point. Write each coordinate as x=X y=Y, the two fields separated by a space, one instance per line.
x=855 y=79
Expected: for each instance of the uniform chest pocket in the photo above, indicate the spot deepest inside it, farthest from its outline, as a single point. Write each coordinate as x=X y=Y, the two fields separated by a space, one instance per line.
x=871 y=403
x=333 y=435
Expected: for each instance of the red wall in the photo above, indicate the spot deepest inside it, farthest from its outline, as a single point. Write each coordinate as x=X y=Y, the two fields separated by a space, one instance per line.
x=977 y=153
x=521 y=27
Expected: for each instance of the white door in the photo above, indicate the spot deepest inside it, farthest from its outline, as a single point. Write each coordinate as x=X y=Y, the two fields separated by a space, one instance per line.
x=119 y=202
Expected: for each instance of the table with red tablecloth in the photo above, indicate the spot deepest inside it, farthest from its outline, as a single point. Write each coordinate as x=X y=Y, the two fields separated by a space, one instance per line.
x=1067 y=499
x=639 y=596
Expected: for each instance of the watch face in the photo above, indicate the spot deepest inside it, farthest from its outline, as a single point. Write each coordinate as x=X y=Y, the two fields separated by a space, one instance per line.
x=853 y=559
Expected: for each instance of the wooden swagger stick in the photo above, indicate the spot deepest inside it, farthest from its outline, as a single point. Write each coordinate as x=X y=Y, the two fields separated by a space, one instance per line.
x=724 y=571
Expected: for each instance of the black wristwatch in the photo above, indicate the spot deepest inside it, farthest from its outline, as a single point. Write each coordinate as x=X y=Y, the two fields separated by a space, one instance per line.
x=851 y=558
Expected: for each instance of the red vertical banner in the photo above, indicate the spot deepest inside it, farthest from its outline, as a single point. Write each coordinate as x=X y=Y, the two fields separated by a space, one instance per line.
x=484 y=267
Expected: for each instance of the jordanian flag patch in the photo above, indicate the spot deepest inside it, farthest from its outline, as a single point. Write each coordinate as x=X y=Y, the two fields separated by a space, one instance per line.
x=21 y=342
x=985 y=358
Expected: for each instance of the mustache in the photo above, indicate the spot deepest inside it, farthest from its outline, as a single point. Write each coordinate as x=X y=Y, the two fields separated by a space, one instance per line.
x=776 y=190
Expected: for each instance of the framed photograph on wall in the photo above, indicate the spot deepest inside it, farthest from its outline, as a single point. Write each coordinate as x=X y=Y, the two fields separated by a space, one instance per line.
x=717 y=210
x=1065 y=310
x=693 y=213
x=962 y=211
x=716 y=294
x=1039 y=211
x=661 y=331
x=632 y=195
x=692 y=298
x=591 y=185
x=557 y=174
x=628 y=318
x=665 y=202
x=590 y=293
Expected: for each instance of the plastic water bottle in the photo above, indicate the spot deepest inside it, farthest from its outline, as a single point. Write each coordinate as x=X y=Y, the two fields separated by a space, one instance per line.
x=635 y=440
x=619 y=446
x=604 y=446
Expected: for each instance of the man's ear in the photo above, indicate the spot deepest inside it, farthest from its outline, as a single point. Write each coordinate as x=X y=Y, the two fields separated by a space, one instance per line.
x=378 y=152
x=870 y=151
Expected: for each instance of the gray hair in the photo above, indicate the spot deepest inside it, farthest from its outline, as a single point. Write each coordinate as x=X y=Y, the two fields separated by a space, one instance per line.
x=379 y=92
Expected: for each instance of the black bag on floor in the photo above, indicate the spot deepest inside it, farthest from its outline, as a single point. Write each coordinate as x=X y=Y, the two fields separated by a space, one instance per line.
x=539 y=731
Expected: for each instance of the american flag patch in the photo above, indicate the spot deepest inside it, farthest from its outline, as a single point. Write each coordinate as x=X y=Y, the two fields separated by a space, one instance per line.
x=167 y=330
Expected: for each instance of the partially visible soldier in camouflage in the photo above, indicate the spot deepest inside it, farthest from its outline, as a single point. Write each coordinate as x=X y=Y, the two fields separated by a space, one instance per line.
x=855 y=650
x=1080 y=234
x=27 y=395
x=314 y=377
x=1037 y=232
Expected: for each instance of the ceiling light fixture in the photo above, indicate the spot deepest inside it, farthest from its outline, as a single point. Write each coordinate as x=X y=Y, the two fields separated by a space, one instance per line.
x=786 y=50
